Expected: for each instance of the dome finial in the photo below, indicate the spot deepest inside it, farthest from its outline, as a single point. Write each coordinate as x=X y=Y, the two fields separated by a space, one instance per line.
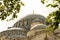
x=33 y=11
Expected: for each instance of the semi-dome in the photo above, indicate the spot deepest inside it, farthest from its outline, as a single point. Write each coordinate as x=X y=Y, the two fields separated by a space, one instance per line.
x=12 y=34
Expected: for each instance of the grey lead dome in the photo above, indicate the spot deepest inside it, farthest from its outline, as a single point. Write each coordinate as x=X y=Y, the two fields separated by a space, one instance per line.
x=25 y=23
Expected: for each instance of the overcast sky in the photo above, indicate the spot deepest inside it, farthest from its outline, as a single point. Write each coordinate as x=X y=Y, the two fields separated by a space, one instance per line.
x=30 y=5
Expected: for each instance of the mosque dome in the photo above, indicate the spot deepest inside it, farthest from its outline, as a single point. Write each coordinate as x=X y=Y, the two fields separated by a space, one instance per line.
x=26 y=22
x=22 y=27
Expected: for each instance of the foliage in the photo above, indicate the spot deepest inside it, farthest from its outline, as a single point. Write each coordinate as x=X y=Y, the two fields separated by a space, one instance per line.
x=9 y=7
x=54 y=17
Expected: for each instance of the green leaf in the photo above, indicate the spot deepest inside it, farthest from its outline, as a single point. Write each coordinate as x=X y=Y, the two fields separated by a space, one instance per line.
x=48 y=5
x=54 y=5
x=14 y=15
x=42 y=1
x=22 y=3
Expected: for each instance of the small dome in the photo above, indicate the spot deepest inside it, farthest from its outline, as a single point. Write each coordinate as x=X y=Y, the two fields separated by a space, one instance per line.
x=41 y=26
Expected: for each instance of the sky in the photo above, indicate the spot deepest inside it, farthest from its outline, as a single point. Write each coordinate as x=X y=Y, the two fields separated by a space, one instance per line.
x=30 y=6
